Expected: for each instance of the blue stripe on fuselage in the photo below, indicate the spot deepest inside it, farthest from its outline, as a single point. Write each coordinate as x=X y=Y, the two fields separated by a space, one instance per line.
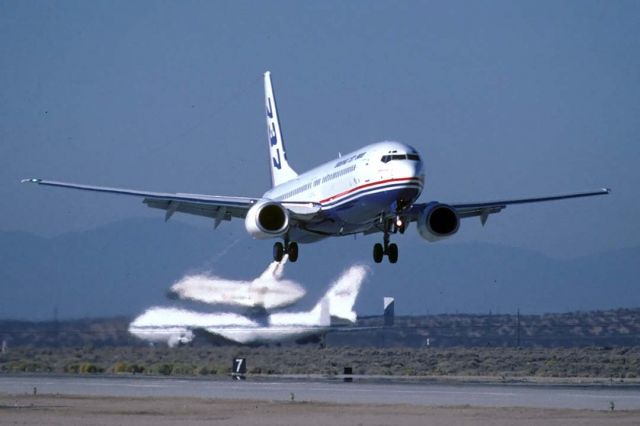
x=357 y=213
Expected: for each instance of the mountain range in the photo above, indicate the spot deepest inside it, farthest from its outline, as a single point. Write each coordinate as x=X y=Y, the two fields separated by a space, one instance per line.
x=125 y=267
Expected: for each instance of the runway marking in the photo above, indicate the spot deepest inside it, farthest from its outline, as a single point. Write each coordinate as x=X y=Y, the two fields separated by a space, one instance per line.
x=371 y=388
x=608 y=396
x=424 y=394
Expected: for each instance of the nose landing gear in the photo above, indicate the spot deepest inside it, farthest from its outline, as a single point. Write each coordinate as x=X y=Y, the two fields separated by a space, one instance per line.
x=280 y=249
x=389 y=249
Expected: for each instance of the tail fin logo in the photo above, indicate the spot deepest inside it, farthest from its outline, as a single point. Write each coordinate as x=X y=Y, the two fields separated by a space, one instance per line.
x=273 y=137
x=281 y=171
x=269 y=109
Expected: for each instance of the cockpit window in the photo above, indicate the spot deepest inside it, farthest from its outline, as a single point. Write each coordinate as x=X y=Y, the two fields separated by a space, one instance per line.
x=391 y=157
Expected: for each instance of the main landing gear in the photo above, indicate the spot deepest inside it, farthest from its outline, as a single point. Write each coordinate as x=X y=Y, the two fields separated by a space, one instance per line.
x=280 y=249
x=391 y=250
x=388 y=249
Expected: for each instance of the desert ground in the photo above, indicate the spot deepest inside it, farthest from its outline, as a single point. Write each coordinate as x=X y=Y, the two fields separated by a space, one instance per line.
x=98 y=411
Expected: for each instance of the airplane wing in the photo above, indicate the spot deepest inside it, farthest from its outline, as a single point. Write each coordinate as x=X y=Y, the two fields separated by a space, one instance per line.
x=484 y=209
x=214 y=206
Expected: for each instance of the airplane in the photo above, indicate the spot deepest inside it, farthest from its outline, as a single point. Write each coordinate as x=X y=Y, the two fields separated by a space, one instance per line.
x=268 y=291
x=371 y=190
x=175 y=326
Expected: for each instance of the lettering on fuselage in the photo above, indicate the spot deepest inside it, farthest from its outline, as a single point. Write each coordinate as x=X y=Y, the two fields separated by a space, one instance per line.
x=350 y=159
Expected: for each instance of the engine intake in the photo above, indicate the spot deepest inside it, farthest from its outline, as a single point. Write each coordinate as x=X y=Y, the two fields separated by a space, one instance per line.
x=267 y=219
x=438 y=221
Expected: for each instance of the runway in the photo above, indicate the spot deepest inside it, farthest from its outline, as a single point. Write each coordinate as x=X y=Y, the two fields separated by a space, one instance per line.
x=426 y=394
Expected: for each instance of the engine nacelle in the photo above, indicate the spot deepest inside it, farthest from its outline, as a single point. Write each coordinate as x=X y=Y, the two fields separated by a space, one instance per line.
x=438 y=221
x=267 y=219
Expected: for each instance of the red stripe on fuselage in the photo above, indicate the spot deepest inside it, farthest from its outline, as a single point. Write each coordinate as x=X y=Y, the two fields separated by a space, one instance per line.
x=366 y=185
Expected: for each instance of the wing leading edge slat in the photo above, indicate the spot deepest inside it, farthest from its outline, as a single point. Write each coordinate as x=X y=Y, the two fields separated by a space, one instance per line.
x=199 y=198
x=504 y=203
x=212 y=206
x=196 y=204
x=484 y=209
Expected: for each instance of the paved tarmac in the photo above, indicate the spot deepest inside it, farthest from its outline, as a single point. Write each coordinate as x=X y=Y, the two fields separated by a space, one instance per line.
x=358 y=392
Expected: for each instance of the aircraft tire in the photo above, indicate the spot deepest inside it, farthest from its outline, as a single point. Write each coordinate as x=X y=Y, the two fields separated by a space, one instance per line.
x=393 y=253
x=378 y=253
x=293 y=252
x=278 y=251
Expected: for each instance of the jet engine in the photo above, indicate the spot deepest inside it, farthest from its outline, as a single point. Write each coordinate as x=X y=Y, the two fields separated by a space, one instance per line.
x=267 y=219
x=438 y=221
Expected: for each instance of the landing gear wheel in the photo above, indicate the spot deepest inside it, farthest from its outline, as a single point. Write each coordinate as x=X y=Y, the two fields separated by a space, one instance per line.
x=293 y=252
x=278 y=251
x=392 y=252
x=378 y=252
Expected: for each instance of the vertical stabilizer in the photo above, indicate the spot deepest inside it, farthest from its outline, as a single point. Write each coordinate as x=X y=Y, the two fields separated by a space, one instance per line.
x=280 y=170
x=322 y=313
x=343 y=293
x=389 y=311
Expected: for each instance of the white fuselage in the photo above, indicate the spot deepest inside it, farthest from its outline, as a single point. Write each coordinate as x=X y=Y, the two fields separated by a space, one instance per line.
x=176 y=326
x=355 y=189
x=268 y=291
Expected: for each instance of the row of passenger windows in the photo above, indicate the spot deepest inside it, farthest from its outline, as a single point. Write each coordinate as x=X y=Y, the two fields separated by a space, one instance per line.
x=325 y=179
x=339 y=173
x=296 y=191
x=391 y=157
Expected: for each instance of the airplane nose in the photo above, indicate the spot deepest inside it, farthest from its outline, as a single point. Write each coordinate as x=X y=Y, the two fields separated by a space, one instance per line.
x=406 y=169
x=413 y=169
x=418 y=169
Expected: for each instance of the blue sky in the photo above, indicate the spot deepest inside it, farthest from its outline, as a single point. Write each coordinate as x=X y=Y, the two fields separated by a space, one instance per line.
x=503 y=99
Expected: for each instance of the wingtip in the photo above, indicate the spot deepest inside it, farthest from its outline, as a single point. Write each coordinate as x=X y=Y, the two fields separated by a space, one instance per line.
x=31 y=180
x=606 y=190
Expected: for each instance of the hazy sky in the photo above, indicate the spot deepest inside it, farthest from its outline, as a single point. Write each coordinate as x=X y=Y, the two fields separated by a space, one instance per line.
x=503 y=99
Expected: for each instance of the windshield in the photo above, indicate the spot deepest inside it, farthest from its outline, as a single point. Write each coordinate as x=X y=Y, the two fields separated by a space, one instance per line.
x=393 y=157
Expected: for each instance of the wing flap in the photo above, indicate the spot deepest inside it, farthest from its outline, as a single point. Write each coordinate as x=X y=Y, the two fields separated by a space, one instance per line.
x=204 y=210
